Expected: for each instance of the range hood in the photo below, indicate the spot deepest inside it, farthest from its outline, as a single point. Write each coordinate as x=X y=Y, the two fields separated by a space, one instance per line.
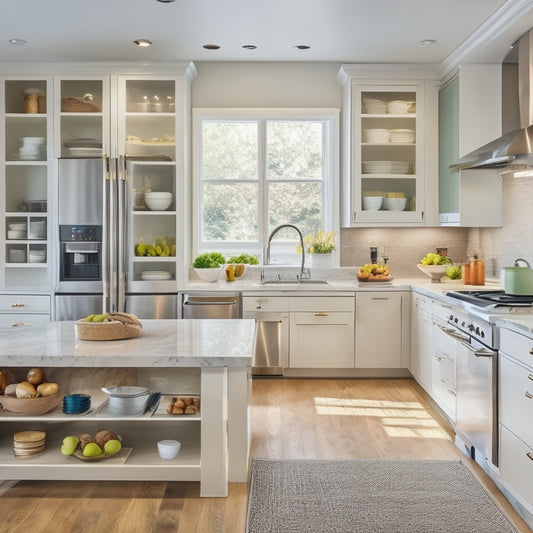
x=514 y=150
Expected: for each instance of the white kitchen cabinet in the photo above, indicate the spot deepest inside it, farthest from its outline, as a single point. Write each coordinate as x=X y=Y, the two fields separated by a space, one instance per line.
x=26 y=183
x=515 y=404
x=321 y=332
x=469 y=117
x=18 y=310
x=421 y=335
x=381 y=329
x=389 y=145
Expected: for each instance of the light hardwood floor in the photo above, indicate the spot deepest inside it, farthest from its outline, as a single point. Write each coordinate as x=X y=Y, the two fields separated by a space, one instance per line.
x=291 y=419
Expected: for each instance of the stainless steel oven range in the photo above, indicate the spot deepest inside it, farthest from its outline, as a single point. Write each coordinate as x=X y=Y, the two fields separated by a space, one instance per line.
x=477 y=364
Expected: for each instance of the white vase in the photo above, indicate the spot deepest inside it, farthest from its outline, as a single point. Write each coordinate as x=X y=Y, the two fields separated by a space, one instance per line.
x=321 y=260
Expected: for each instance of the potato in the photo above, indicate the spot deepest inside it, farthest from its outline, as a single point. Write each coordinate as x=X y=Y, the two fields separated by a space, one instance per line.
x=47 y=389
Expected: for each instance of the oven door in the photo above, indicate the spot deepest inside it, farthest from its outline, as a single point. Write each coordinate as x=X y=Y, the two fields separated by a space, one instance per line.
x=476 y=420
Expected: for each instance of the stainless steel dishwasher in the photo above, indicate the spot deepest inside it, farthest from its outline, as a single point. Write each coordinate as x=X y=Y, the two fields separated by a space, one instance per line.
x=210 y=305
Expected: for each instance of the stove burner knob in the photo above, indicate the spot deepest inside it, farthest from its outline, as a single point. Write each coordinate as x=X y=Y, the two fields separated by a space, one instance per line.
x=463 y=324
x=477 y=331
x=471 y=327
x=482 y=334
x=451 y=318
x=456 y=320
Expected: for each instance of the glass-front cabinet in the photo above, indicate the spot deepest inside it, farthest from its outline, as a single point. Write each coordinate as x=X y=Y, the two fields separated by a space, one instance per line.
x=385 y=154
x=26 y=185
x=389 y=165
x=147 y=137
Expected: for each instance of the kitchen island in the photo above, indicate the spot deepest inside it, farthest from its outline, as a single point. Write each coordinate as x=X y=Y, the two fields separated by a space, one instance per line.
x=209 y=358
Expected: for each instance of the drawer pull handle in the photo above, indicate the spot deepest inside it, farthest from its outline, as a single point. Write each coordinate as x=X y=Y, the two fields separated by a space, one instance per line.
x=437 y=357
x=17 y=305
x=531 y=351
x=530 y=455
x=321 y=314
x=530 y=376
x=258 y=307
x=453 y=393
x=17 y=324
x=529 y=395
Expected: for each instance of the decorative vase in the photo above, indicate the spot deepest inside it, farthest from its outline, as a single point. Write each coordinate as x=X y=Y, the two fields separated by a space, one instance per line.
x=321 y=260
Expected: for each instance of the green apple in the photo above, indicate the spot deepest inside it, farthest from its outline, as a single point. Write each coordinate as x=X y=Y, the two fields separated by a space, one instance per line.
x=69 y=445
x=453 y=272
x=113 y=446
x=92 y=450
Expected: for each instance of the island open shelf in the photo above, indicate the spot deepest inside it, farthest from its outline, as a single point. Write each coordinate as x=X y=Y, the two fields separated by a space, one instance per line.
x=209 y=358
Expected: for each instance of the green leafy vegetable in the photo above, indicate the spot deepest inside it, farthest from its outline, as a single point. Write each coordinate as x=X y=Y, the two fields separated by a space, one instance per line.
x=209 y=260
x=244 y=259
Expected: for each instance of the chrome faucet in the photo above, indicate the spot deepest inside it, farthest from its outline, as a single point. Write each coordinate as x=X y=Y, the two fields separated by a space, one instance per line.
x=274 y=231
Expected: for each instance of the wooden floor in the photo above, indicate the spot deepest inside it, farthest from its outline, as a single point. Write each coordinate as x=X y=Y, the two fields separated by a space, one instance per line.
x=300 y=419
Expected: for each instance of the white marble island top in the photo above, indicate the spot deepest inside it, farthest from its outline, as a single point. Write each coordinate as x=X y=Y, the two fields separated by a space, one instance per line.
x=163 y=343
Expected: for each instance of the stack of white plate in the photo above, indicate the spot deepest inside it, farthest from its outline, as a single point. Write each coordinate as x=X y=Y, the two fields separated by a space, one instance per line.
x=155 y=275
x=374 y=106
x=376 y=135
x=37 y=229
x=158 y=201
x=400 y=107
x=37 y=256
x=385 y=167
x=84 y=147
x=33 y=148
x=16 y=230
x=127 y=401
x=402 y=136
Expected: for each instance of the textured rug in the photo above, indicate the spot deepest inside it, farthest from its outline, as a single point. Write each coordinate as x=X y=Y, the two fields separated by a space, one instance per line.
x=366 y=496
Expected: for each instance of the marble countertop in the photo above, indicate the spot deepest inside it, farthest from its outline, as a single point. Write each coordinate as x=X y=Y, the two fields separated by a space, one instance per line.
x=163 y=343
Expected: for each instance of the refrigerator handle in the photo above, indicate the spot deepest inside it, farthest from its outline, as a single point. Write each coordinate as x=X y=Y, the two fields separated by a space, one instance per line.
x=106 y=267
x=121 y=245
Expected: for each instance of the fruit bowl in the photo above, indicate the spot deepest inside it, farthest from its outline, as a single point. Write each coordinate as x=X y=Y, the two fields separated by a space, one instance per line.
x=435 y=272
x=30 y=406
x=209 y=274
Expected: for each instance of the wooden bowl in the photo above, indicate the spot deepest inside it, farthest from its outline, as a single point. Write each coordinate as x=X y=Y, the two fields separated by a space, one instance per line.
x=30 y=406
x=106 y=331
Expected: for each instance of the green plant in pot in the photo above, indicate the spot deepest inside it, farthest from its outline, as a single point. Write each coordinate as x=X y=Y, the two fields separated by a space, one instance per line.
x=208 y=266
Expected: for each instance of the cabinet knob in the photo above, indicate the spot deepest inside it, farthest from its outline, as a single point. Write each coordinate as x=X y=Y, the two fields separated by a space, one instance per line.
x=531 y=351
x=258 y=306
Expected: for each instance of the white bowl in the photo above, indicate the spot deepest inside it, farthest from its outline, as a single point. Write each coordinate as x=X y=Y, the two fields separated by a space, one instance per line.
x=394 y=204
x=372 y=203
x=374 y=106
x=168 y=448
x=209 y=274
x=158 y=201
x=399 y=107
x=435 y=272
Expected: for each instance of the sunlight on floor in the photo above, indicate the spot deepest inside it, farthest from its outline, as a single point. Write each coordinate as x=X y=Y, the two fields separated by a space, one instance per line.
x=399 y=419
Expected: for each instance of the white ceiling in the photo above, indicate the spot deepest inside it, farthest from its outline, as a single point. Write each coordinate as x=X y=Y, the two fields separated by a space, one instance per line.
x=342 y=31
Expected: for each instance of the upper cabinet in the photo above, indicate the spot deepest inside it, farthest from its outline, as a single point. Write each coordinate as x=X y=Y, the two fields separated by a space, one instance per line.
x=25 y=181
x=389 y=159
x=469 y=117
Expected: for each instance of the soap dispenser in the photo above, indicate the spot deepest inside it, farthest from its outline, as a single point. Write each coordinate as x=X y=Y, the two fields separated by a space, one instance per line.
x=373 y=255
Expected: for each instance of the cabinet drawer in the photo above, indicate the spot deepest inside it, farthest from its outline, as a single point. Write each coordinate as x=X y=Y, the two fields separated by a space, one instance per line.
x=516 y=465
x=22 y=320
x=516 y=407
x=264 y=303
x=322 y=303
x=516 y=345
x=24 y=303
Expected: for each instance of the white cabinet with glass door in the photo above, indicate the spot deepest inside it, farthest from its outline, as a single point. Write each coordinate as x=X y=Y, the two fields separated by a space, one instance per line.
x=26 y=185
x=389 y=164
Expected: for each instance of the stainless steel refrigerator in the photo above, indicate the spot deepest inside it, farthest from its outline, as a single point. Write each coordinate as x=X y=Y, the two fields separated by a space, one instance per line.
x=102 y=220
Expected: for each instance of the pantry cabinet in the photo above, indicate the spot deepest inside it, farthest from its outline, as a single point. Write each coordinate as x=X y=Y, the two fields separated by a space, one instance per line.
x=389 y=162
x=26 y=184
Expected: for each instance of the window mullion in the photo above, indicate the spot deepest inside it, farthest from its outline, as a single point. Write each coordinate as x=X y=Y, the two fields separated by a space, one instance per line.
x=262 y=194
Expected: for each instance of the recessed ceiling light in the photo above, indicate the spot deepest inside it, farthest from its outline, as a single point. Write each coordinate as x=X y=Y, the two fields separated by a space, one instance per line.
x=166 y=1
x=18 y=42
x=142 y=42
x=211 y=46
x=249 y=46
x=428 y=41
x=301 y=47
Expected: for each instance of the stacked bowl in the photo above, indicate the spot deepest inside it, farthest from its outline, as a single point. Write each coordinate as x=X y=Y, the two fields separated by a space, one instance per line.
x=402 y=136
x=76 y=403
x=28 y=443
x=127 y=400
x=376 y=135
x=374 y=106
x=385 y=167
x=33 y=148
x=158 y=201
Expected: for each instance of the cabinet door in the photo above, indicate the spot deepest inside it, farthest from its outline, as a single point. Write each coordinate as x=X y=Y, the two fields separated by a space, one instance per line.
x=378 y=330
x=421 y=346
x=388 y=154
x=27 y=189
x=321 y=340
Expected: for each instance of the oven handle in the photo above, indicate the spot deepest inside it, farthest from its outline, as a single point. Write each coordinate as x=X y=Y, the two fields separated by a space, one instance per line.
x=478 y=352
x=454 y=334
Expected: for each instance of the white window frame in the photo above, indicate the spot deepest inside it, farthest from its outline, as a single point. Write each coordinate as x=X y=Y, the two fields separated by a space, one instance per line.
x=330 y=186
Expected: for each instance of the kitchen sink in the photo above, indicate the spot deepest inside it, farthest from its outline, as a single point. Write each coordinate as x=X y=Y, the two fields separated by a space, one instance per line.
x=295 y=283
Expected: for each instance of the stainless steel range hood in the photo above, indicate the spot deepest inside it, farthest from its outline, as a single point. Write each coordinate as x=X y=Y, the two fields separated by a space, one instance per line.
x=514 y=150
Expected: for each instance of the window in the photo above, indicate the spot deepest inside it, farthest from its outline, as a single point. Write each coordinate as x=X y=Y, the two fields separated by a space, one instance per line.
x=257 y=169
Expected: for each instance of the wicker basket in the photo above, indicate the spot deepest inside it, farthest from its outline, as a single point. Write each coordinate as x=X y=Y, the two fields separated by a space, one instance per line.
x=30 y=406
x=106 y=331
x=78 y=105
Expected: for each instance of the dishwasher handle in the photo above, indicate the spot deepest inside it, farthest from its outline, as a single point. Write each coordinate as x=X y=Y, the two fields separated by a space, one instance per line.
x=187 y=302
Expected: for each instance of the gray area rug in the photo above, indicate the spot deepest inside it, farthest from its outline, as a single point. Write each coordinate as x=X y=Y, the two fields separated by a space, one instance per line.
x=364 y=496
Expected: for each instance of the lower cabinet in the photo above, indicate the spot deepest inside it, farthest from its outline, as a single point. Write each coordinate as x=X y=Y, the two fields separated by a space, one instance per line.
x=17 y=310
x=321 y=332
x=380 y=332
x=421 y=335
x=515 y=405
